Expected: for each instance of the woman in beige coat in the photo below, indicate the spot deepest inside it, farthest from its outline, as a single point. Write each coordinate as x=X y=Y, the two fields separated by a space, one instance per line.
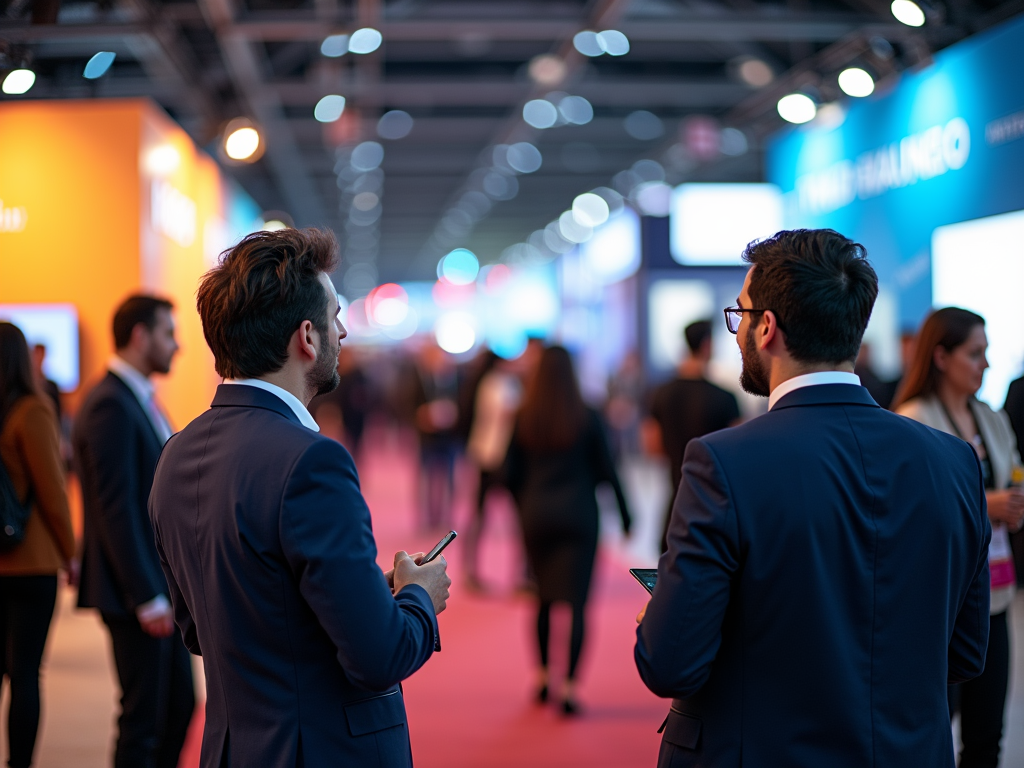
x=939 y=391
x=30 y=452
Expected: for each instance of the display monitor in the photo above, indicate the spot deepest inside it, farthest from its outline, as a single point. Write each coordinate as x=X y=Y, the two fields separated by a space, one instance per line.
x=979 y=265
x=711 y=224
x=56 y=327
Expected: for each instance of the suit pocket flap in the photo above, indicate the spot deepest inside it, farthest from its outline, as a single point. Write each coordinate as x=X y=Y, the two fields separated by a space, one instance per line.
x=376 y=714
x=682 y=730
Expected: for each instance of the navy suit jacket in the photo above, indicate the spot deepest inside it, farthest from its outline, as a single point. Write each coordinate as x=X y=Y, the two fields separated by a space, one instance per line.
x=116 y=451
x=826 y=575
x=266 y=542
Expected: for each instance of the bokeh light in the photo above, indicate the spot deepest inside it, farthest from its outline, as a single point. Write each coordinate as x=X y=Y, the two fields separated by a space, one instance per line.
x=460 y=267
x=455 y=332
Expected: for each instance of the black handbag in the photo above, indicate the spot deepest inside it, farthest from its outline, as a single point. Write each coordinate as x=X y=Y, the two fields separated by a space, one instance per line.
x=13 y=512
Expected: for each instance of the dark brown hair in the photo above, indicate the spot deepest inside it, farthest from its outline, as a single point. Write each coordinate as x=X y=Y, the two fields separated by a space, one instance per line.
x=16 y=379
x=947 y=328
x=134 y=310
x=553 y=413
x=821 y=288
x=261 y=292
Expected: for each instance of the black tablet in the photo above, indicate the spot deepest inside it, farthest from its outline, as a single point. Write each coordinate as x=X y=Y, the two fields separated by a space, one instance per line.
x=646 y=577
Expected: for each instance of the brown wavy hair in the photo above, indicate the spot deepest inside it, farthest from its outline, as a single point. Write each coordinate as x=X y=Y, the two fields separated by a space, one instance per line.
x=261 y=292
x=16 y=379
x=553 y=413
x=947 y=328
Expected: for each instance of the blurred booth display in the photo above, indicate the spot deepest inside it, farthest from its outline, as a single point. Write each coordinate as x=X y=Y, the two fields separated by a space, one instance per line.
x=55 y=326
x=114 y=199
x=711 y=224
x=979 y=265
x=913 y=172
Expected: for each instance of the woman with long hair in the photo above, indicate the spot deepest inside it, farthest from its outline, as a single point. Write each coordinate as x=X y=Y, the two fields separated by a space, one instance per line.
x=30 y=453
x=557 y=457
x=939 y=390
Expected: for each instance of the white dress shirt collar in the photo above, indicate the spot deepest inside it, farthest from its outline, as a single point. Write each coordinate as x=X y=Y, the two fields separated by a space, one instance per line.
x=290 y=400
x=810 y=380
x=140 y=385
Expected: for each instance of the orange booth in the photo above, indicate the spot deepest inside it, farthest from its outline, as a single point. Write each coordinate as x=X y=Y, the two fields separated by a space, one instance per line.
x=104 y=198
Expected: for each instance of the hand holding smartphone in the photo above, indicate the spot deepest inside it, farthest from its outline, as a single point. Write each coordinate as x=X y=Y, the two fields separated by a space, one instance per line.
x=447 y=539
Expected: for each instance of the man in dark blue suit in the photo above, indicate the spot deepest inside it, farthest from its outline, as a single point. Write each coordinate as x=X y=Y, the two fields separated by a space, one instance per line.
x=266 y=540
x=826 y=573
x=119 y=433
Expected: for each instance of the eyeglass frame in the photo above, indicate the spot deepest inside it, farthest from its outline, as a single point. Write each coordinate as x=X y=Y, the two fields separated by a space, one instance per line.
x=729 y=311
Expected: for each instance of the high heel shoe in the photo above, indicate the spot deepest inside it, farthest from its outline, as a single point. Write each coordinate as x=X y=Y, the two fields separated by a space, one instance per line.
x=570 y=708
x=542 y=694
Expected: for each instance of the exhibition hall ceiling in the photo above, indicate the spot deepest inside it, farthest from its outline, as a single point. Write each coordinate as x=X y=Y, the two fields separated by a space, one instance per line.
x=487 y=117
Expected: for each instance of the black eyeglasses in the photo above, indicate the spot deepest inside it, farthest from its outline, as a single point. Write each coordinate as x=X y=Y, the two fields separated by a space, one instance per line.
x=733 y=316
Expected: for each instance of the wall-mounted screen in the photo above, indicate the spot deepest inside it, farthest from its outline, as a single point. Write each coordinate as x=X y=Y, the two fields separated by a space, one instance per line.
x=979 y=265
x=56 y=327
x=711 y=224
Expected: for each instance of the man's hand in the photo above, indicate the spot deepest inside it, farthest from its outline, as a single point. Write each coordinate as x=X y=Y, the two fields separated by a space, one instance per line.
x=158 y=626
x=433 y=577
x=156 y=617
x=1006 y=507
x=643 y=612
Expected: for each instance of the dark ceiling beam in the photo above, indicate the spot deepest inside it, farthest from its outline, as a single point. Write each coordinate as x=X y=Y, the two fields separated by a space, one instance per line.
x=282 y=151
x=709 y=94
x=725 y=28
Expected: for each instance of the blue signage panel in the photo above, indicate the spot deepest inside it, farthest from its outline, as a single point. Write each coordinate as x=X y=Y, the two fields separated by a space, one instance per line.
x=944 y=145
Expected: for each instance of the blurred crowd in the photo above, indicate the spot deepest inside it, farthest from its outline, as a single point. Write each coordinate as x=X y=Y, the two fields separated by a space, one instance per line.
x=520 y=428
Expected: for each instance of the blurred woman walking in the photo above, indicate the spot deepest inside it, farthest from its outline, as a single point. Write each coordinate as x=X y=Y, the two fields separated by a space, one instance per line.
x=558 y=455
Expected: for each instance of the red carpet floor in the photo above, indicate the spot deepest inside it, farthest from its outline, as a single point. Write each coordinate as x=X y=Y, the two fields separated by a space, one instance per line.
x=471 y=705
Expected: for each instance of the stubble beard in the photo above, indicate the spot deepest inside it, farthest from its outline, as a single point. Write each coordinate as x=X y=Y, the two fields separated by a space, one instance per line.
x=323 y=376
x=754 y=377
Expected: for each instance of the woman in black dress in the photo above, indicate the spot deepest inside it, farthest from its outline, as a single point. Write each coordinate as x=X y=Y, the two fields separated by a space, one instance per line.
x=558 y=455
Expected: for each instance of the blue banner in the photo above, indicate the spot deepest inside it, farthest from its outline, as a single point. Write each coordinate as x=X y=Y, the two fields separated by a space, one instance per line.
x=945 y=144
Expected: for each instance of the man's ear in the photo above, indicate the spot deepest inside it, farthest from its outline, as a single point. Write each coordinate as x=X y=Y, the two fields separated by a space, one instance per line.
x=307 y=341
x=767 y=330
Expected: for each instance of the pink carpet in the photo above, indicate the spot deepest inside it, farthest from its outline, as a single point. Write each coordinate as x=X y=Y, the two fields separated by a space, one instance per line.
x=471 y=705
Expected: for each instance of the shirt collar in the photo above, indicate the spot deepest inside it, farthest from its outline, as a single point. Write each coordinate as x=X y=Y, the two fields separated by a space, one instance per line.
x=290 y=400
x=140 y=385
x=810 y=380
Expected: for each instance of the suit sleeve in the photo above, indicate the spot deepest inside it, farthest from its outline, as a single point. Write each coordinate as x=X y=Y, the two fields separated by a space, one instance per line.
x=969 y=642
x=41 y=447
x=182 y=614
x=124 y=530
x=682 y=629
x=328 y=542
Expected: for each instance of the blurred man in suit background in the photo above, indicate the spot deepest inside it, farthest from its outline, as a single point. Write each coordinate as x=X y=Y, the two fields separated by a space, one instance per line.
x=118 y=436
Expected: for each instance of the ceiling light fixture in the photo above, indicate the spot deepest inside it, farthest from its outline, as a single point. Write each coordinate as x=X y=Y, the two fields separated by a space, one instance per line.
x=907 y=12
x=856 y=82
x=797 y=108
x=18 y=81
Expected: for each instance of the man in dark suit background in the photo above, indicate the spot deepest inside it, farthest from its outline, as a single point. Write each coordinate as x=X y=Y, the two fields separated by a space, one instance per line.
x=826 y=572
x=118 y=436
x=266 y=539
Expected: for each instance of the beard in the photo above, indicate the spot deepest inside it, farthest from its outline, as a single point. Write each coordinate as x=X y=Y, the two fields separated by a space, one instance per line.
x=754 y=377
x=323 y=376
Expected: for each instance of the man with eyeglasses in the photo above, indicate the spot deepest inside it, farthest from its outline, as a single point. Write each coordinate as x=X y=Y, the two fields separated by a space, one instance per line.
x=826 y=572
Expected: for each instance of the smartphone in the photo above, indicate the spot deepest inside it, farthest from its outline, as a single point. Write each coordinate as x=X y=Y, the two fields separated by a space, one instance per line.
x=439 y=547
x=646 y=576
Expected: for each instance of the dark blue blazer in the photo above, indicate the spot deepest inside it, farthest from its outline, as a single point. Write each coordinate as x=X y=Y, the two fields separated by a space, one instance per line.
x=826 y=575
x=116 y=451
x=266 y=542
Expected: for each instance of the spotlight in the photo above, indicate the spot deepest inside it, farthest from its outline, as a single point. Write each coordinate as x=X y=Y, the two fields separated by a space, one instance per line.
x=365 y=40
x=242 y=142
x=856 y=82
x=98 y=65
x=797 y=108
x=908 y=12
x=18 y=81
